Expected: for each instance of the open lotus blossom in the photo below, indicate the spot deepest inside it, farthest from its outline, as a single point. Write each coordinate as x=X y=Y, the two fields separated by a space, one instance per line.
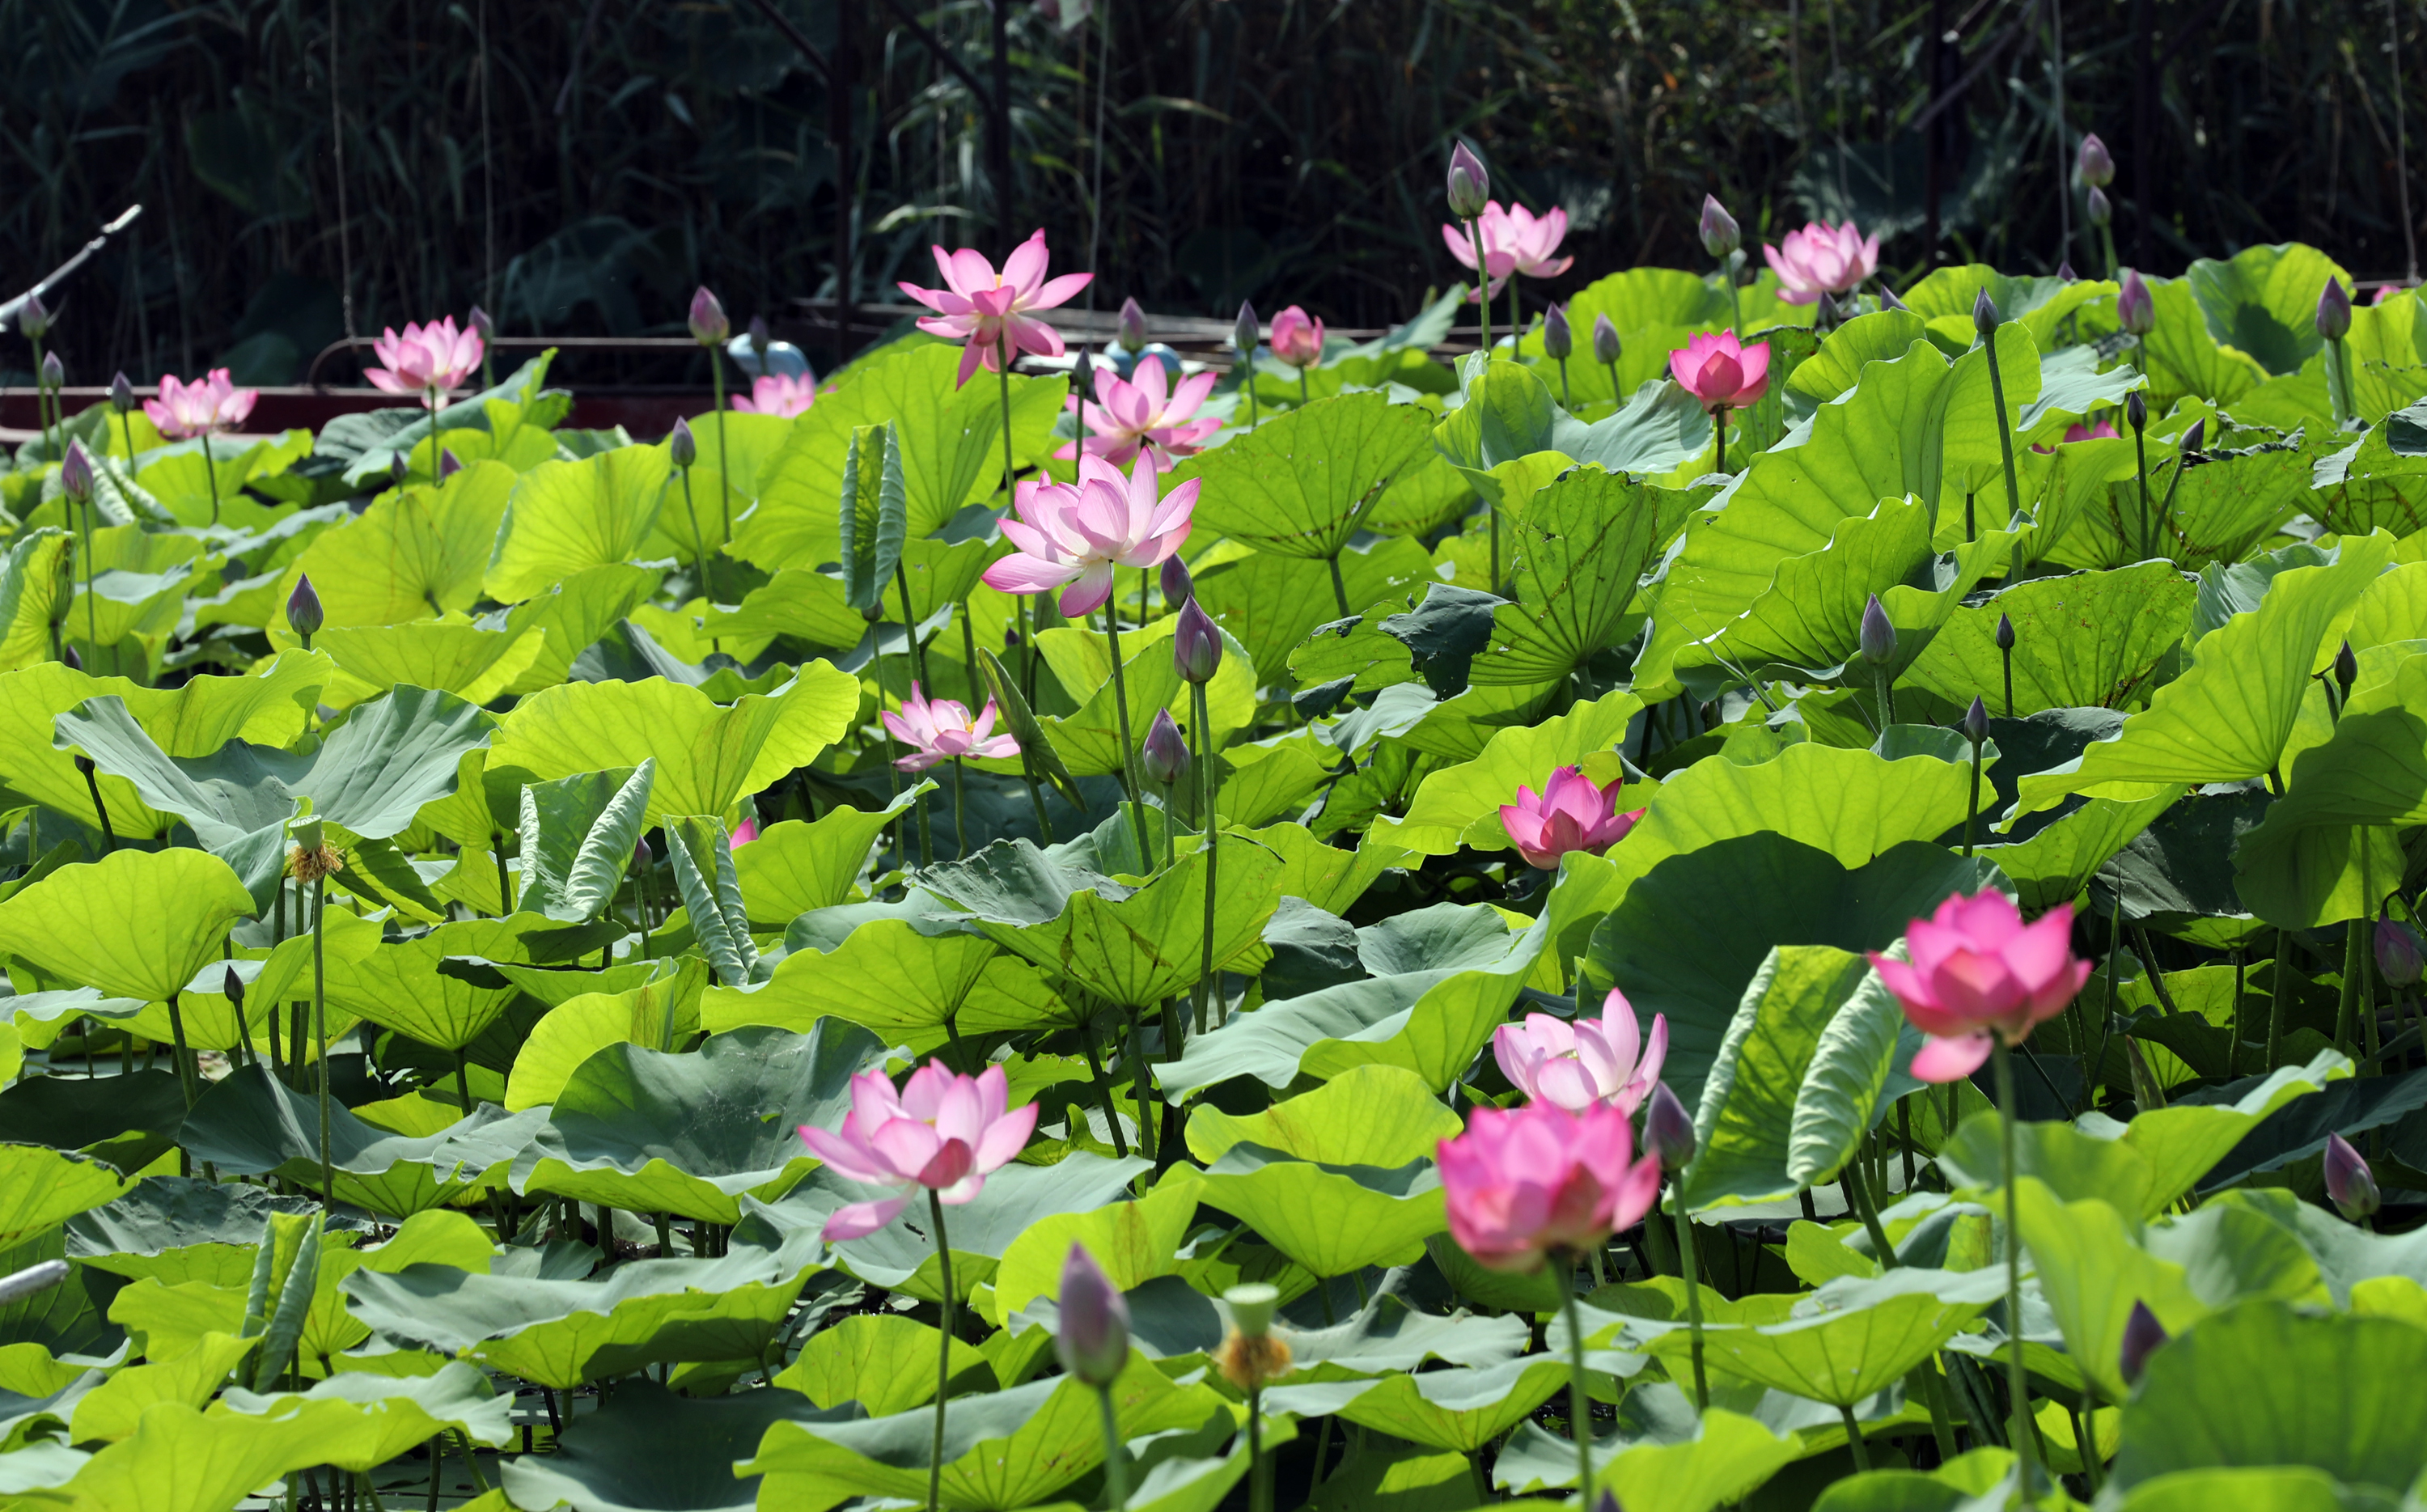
x=1145 y=416
x=1570 y=813
x=995 y=314
x=1720 y=371
x=1298 y=337
x=1522 y=1184
x=943 y=1131
x=209 y=403
x=1979 y=974
x=1515 y=240
x=779 y=394
x=938 y=730
x=1071 y=536
x=1591 y=1061
x=1821 y=259
x=428 y=361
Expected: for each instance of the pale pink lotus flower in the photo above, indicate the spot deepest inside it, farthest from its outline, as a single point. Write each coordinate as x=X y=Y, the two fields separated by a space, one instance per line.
x=2081 y=432
x=1978 y=974
x=1077 y=533
x=1147 y=415
x=784 y=395
x=209 y=403
x=1574 y=1066
x=995 y=314
x=940 y=730
x=943 y=1131
x=1821 y=259
x=1719 y=370
x=1298 y=337
x=1522 y=1184
x=1570 y=813
x=743 y=834
x=428 y=362
x=1515 y=240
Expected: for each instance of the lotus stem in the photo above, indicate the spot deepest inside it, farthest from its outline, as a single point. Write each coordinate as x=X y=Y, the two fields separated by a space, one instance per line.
x=1117 y=1470
x=2337 y=380
x=2005 y=441
x=1690 y=1264
x=320 y=1030
x=969 y=657
x=1340 y=586
x=1129 y=747
x=1103 y=1086
x=1516 y=326
x=2355 y=953
x=919 y=672
x=100 y=809
x=698 y=541
x=2017 y=1380
x=2140 y=475
x=1579 y=1400
x=1029 y=612
x=943 y=1353
x=1209 y=825
x=960 y=814
x=1614 y=396
x=1719 y=439
x=1861 y=1451
x=464 y=1080
x=1972 y=813
x=724 y=465
x=186 y=1078
x=1887 y=699
x=1260 y=1490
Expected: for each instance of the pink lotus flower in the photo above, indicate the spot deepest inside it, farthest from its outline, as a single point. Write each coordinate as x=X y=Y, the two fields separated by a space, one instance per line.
x=1821 y=259
x=1979 y=974
x=1593 y=1061
x=1720 y=371
x=1570 y=813
x=2090 y=433
x=943 y=1131
x=779 y=394
x=209 y=403
x=995 y=314
x=428 y=361
x=1520 y=1185
x=1146 y=415
x=1298 y=337
x=743 y=834
x=940 y=730
x=1077 y=533
x=1515 y=240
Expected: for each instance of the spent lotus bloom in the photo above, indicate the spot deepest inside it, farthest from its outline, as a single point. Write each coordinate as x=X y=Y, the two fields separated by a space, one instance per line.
x=941 y=730
x=428 y=361
x=1574 y=1066
x=1145 y=416
x=1515 y=240
x=211 y=402
x=1570 y=813
x=943 y=1131
x=1978 y=974
x=1298 y=337
x=1522 y=1184
x=1821 y=259
x=995 y=314
x=785 y=394
x=1071 y=536
x=1720 y=371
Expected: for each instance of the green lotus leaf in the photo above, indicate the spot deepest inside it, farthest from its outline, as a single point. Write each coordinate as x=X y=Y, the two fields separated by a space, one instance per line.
x=701 y=854
x=135 y=924
x=370 y=1420
x=662 y=1011
x=1132 y=1242
x=41 y=1187
x=1677 y=1461
x=1303 y=484
x=178 y=1459
x=794 y=867
x=1575 y=559
x=2309 y=862
x=1458 y=1410
x=1460 y=805
x=2269 y=1488
x=2041 y=304
x=2264 y=301
x=1334 y=1220
x=2182 y=360
x=574 y=614
x=1272 y=602
x=1957 y=1482
x=886 y=1364
x=128 y=1121
x=412 y=988
x=689 y=1134
x=566 y=516
x=734 y=448
x=649 y=1450
x=176 y=1230
x=1089 y=742
x=888 y=975
x=1508 y=414
x=2092 y=638
x=1381 y=1115
x=578 y=835
x=709 y=756
x=1848 y=1341
x=454 y=655
x=414 y=553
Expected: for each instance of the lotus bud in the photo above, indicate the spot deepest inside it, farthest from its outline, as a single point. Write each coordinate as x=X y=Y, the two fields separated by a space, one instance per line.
x=761 y=338
x=2005 y=632
x=1879 y=637
x=2097 y=166
x=55 y=372
x=1094 y=1341
x=1606 y=1502
x=1668 y=1130
x=1984 y=314
x=2143 y=1335
x=1011 y=638
x=2136 y=410
x=2333 y=311
x=1130 y=328
x=1470 y=186
x=1251 y=1308
x=449 y=465
x=1976 y=721
x=1559 y=341
x=1243 y=333
x=232 y=986
x=76 y=473
x=1606 y=342
x=682 y=445
x=2064 y=273
x=1165 y=755
x=641 y=853
x=1177 y=586
x=1720 y=233
x=303 y=610
x=86 y=766
x=1196 y=644
x=2346 y=669
x=2398 y=955
x=69 y=659
x=1082 y=374
x=2136 y=308
x=709 y=326
x=121 y=393
x=1888 y=299
x=2189 y=444
x=2350 y=1184
x=400 y=467
x=481 y=325
x=34 y=318
x=2096 y=210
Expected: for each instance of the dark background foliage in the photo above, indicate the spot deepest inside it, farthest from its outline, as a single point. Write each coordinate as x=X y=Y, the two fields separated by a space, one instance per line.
x=577 y=165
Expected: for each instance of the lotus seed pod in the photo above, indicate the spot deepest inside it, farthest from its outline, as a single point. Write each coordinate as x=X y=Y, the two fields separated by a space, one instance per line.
x=1251 y=1308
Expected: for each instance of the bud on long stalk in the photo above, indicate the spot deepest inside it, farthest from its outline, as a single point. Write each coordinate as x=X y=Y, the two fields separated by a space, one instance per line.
x=1470 y=186
x=1720 y=233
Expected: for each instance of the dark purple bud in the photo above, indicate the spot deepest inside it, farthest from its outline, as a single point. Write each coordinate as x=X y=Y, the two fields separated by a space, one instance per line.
x=2143 y=1335
x=34 y=318
x=682 y=444
x=232 y=986
x=1177 y=586
x=2136 y=308
x=1094 y=1339
x=1984 y=314
x=481 y=325
x=641 y=854
x=2346 y=668
x=2005 y=633
x=709 y=325
x=2097 y=166
x=1245 y=334
x=1606 y=346
x=303 y=610
x=86 y=766
x=76 y=473
x=1720 y=233
x=121 y=393
x=1196 y=644
x=2398 y=955
x=2064 y=273
x=1879 y=637
x=761 y=338
x=69 y=659
x=2136 y=410
x=447 y=464
x=1470 y=186
x=1667 y=1129
x=1165 y=755
x=1888 y=299
x=2333 y=311
x=400 y=467
x=2190 y=444
x=1559 y=341
x=2095 y=209
x=1976 y=721
x=1131 y=330
x=55 y=372
x=1082 y=375
x=2350 y=1184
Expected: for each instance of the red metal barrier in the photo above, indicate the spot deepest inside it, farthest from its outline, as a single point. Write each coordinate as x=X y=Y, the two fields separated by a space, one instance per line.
x=646 y=413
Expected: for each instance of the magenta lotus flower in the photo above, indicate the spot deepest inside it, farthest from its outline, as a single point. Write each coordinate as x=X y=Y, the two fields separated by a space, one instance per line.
x=1719 y=371
x=1298 y=337
x=995 y=314
x=1821 y=259
x=785 y=394
x=1592 y=1061
x=1515 y=240
x=1570 y=813
x=944 y=1131
x=2090 y=433
x=1075 y=534
x=428 y=361
x=1979 y=974
x=209 y=403
x=743 y=834
x=1523 y=1184
x=940 y=730
x=1147 y=415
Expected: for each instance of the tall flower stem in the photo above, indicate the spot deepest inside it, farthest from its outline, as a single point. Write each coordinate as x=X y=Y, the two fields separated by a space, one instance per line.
x=960 y=816
x=1027 y=614
x=1690 y=1262
x=1260 y=1489
x=918 y=671
x=2141 y=459
x=1483 y=315
x=723 y=463
x=1719 y=439
x=698 y=541
x=430 y=398
x=1861 y=1451
x=2005 y=435
x=2017 y=1380
x=212 y=474
x=320 y=1029
x=1116 y=1469
x=1210 y=824
x=1972 y=814
x=1129 y=747
x=943 y=1353
x=1579 y=1400
x=1305 y=396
